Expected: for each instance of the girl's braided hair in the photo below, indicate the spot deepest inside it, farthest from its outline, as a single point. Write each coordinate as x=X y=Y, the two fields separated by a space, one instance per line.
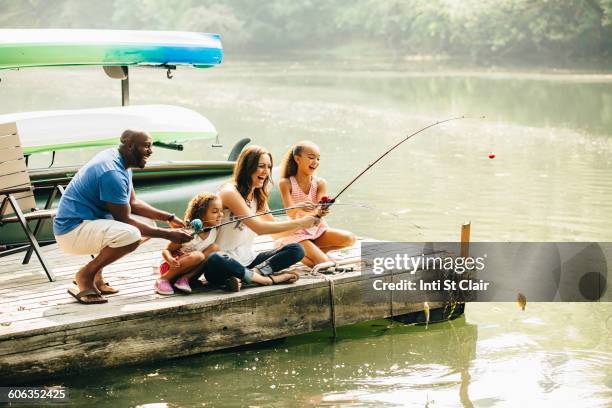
x=198 y=205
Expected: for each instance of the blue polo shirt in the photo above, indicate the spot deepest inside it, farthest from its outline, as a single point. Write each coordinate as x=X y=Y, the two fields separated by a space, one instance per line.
x=104 y=179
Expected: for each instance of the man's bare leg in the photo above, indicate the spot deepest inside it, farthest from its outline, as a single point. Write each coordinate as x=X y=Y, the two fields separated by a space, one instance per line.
x=101 y=284
x=86 y=275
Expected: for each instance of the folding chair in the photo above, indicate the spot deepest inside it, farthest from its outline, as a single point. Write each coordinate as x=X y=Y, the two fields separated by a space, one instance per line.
x=17 y=203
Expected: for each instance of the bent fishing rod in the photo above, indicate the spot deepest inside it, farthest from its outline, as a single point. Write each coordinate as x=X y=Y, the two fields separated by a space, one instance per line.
x=198 y=227
x=327 y=201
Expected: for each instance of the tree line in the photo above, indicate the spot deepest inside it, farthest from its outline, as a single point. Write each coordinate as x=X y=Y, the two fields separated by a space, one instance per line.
x=466 y=28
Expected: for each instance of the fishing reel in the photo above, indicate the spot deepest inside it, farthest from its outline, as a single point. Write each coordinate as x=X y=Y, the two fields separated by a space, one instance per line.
x=197 y=226
x=326 y=202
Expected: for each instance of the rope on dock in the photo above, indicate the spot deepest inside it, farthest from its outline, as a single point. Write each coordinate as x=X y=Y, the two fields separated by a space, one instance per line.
x=332 y=291
x=332 y=298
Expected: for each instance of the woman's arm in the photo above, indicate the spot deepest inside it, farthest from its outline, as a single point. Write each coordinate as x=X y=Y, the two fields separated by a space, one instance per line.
x=270 y=217
x=210 y=249
x=232 y=200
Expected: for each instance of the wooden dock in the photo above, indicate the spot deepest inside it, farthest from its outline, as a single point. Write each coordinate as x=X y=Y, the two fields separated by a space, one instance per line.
x=45 y=333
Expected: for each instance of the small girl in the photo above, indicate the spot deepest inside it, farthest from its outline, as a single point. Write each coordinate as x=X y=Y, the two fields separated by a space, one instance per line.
x=299 y=184
x=182 y=262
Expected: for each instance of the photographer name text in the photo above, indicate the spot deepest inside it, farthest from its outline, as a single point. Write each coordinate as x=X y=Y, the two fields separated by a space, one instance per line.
x=441 y=284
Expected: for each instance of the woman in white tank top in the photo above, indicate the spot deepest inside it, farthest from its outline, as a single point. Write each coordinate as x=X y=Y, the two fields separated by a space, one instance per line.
x=247 y=194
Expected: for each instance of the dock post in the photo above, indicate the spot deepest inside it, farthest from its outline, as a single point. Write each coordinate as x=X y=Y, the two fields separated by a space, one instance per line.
x=332 y=307
x=465 y=239
x=465 y=252
x=391 y=299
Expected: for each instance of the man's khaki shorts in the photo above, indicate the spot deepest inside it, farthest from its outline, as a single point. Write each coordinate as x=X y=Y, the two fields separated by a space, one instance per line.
x=91 y=236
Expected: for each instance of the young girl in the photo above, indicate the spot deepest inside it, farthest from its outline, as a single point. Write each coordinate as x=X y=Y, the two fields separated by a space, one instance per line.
x=182 y=262
x=299 y=184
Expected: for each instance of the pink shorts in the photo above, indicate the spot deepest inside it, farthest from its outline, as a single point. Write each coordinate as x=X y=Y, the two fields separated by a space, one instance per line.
x=164 y=267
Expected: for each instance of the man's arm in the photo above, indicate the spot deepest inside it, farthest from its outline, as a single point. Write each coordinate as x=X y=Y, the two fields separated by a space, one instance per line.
x=122 y=212
x=117 y=194
x=139 y=207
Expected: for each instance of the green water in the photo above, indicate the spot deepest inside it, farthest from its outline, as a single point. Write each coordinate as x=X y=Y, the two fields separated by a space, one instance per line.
x=551 y=133
x=496 y=355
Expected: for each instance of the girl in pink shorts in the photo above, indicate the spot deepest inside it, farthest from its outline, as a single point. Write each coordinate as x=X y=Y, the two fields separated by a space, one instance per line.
x=299 y=184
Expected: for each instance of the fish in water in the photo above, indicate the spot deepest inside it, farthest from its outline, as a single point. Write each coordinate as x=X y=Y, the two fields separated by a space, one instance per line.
x=426 y=312
x=521 y=300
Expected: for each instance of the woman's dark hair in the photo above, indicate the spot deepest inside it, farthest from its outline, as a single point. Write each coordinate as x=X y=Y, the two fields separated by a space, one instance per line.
x=246 y=165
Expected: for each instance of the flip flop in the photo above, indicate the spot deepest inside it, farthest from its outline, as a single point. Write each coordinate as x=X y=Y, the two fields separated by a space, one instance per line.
x=81 y=296
x=110 y=291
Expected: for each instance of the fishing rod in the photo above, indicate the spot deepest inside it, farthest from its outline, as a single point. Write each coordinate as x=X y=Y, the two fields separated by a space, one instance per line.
x=198 y=227
x=327 y=201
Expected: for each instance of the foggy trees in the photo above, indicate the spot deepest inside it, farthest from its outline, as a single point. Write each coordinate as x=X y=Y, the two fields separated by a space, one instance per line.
x=474 y=28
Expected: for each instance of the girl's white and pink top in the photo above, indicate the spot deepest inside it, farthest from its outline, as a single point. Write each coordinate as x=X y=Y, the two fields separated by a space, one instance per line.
x=199 y=244
x=298 y=196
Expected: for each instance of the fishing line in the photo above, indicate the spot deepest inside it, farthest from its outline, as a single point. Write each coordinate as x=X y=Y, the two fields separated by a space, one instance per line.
x=395 y=214
x=325 y=202
x=198 y=226
x=329 y=201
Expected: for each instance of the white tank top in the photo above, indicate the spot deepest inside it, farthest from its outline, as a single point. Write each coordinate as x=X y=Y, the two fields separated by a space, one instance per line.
x=236 y=240
x=199 y=244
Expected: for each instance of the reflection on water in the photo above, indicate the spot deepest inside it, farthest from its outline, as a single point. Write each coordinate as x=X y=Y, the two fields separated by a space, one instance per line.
x=549 y=181
x=310 y=369
x=496 y=355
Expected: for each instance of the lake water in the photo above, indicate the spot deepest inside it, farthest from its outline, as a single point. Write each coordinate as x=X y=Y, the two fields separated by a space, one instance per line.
x=551 y=134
